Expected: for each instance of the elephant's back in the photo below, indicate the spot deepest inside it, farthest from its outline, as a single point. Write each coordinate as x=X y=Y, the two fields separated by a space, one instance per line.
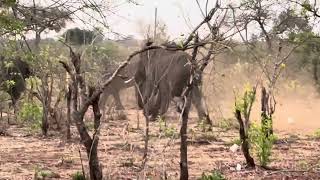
x=174 y=67
x=132 y=66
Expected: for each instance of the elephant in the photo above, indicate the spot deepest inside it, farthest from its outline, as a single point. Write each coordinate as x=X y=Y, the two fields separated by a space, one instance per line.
x=124 y=80
x=16 y=70
x=161 y=77
x=170 y=87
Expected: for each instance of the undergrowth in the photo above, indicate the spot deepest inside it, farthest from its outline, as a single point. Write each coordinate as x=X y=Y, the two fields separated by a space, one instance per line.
x=214 y=175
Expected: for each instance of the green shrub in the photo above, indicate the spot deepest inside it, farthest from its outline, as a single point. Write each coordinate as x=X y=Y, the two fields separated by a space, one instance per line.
x=170 y=132
x=4 y=98
x=89 y=125
x=42 y=174
x=214 y=175
x=260 y=143
x=317 y=134
x=78 y=176
x=303 y=164
x=228 y=124
x=204 y=126
x=244 y=103
x=31 y=114
x=236 y=141
x=129 y=162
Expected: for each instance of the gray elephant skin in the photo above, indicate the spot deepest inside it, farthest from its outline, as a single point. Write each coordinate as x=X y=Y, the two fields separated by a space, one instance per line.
x=16 y=70
x=168 y=70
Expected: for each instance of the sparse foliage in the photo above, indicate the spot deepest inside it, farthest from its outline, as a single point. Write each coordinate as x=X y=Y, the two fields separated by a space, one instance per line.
x=317 y=134
x=260 y=144
x=270 y=31
x=243 y=107
x=166 y=130
x=31 y=114
x=308 y=52
x=214 y=175
x=78 y=176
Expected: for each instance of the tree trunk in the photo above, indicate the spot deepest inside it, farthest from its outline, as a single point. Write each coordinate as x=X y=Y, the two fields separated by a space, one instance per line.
x=37 y=42
x=79 y=107
x=55 y=111
x=244 y=140
x=68 y=96
x=95 y=168
x=146 y=136
x=8 y=115
x=184 y=174
x=45 y=99
x=315 y=71
x=91 y=146
x=266 y=112
x=15 y=111
x=44 y=125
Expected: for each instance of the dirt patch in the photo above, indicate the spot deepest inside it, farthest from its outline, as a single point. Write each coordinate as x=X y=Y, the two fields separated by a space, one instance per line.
x=121 y=151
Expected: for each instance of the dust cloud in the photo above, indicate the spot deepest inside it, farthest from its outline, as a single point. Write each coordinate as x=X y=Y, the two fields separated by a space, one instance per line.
x=297 y=99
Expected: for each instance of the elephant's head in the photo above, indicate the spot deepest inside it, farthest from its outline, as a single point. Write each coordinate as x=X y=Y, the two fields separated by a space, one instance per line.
x=17 y=71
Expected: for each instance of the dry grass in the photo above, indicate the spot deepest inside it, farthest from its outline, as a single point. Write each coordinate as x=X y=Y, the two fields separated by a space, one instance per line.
x=295 y=156
x=121 y=150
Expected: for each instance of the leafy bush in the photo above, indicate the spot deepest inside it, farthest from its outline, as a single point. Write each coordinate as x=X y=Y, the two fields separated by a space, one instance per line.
x=214 y=175
x=317 y=134
x=228 y=124
x=236 y=141
x=78 y=176
x=204 y=126
x=129 y=162
x=41 y=174
x=303 y=164
x=260 y=143
x=4 y=98
x=89 y=125
x=244 y=103
x=166 y=131
x=31 y=113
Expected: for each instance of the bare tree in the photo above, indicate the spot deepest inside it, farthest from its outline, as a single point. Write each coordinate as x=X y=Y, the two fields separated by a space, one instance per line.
x=89 y=97
x=78 y=88
x=308 y=6
x=146 y=30
x=260 y=14
x=273 y=61
x=216 y=39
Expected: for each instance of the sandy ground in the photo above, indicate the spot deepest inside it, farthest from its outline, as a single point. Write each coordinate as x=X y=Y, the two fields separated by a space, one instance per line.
x=121 y=150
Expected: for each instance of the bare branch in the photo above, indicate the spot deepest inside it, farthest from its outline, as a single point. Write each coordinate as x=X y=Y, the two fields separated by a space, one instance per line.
x=205 y=20
x=313 y=9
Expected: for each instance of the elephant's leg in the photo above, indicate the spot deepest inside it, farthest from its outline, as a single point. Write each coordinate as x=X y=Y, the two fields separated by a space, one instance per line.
x=149 y=112
x=197 y=101
x=154 y=105
x=178 y=101
x=15 y=109
x=102 y=104
x=117 y=100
